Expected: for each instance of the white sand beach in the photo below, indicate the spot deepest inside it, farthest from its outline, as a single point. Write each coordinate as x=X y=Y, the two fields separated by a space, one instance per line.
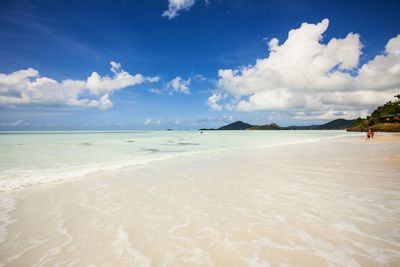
x=333 y=202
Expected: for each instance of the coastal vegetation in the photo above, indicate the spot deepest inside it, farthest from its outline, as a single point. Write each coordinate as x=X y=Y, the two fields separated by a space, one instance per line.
x=385 y=118
x=272 y=126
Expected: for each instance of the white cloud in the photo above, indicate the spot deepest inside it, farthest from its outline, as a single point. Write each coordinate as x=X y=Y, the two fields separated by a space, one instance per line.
x=213 y=102
x=153 y=79
x=328 y=114
x=121 y=79
x=178 y=85
x=228 y=117
x=174 y=6
x=383 y=72
x=274 y=116
x=200 y=77
x=15 y=123
x=155 y=91
x=305 y=74
x=27 y=87
x=149 y=121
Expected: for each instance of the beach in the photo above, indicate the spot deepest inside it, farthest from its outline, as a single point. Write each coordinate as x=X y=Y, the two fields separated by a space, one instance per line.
x=295 y=198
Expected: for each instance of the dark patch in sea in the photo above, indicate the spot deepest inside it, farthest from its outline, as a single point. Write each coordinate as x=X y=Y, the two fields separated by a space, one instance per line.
x=130 y=141
x=86 y=144
x=151 y=149
x=155 y=150
x=188 y=144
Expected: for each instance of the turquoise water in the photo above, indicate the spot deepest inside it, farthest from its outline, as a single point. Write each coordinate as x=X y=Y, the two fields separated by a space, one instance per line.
x=29 y=158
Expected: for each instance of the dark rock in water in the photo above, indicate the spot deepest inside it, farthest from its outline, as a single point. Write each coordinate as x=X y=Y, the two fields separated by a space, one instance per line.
x=130 y=141
x=86 y=144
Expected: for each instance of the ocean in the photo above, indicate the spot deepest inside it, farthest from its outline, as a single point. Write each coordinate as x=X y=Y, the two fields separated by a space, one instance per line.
x=29 y=158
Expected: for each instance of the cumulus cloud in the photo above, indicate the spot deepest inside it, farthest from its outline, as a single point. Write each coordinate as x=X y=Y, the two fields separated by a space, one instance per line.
x=27 y=87
x=174 y=6
x=328 y=114
x=213 y=100
x=305 y=74
x=178 y=85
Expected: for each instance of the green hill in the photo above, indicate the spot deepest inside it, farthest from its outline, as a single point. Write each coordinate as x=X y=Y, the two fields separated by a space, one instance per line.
x=338 y=124
x=384 y=118
x=237 y=125
x=272 y=126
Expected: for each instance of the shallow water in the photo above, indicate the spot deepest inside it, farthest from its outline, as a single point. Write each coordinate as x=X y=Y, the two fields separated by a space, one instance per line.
x=29 y=158
x=333 y=202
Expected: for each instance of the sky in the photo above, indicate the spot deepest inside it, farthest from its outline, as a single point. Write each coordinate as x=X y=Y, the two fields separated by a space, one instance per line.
x=189 y=64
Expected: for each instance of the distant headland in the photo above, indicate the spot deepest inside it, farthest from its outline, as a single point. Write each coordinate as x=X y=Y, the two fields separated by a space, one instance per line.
x=384 y=118
x=338 y=124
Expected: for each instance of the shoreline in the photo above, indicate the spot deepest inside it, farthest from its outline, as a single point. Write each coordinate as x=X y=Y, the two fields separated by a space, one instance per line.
x=52 y=176
x=382 y=138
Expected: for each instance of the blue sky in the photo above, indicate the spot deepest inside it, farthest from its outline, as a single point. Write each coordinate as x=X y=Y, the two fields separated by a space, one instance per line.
x=179 y=58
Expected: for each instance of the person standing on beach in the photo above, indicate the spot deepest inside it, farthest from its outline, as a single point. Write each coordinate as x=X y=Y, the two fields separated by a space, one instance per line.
x=372 y=134
x=368 y=134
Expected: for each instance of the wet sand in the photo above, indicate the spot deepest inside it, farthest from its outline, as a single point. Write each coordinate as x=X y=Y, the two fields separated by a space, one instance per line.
x=380 y=137
x=329 y=203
